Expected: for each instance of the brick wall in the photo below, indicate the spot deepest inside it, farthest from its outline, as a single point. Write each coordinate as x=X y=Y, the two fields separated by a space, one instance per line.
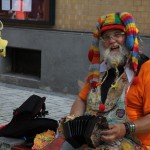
x=81 y=15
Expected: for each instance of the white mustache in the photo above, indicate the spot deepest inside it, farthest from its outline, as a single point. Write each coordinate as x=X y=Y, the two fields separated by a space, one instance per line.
x=119 y=57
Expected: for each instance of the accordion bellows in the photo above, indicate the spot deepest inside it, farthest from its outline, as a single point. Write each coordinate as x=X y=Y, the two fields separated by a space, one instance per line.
x=85 y=130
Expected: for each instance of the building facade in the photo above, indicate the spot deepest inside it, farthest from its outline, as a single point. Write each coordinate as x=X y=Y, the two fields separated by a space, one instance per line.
x=54 y=57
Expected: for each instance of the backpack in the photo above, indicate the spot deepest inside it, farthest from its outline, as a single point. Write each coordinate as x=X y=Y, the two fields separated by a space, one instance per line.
x=28 y=120
x=33 y=107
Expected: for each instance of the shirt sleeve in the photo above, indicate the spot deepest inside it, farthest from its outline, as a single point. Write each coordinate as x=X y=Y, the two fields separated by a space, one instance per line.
x=145 y=76
x=138 y=96
x=84 y=91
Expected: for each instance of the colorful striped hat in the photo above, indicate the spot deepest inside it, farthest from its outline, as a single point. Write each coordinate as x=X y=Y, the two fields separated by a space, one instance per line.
x=119 y=20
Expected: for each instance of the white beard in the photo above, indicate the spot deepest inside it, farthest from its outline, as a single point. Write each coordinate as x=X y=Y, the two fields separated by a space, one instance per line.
x=115 y=58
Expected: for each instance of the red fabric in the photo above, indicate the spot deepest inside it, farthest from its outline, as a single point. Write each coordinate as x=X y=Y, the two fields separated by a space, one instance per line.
x=113 y=26
x=90 y=55
x=2 y=126
x=101 y=107
x=56 y=144
x=135 y=80
x=20 y=147
x=94 y=84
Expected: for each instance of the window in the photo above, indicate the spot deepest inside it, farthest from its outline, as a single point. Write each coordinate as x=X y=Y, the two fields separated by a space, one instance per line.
x=37 y=12
x=24 y=62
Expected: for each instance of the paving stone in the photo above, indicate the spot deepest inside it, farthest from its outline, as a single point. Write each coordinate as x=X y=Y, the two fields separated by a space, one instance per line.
x=12 y=97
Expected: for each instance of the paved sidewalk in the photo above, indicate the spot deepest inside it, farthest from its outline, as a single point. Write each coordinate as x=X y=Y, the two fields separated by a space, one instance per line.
x=12 y=96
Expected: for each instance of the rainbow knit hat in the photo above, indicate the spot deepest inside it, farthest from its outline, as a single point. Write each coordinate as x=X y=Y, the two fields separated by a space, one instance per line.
x=119 y=20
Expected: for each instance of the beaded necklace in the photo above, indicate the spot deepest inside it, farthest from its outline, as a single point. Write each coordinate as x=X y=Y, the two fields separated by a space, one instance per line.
x=115 y=83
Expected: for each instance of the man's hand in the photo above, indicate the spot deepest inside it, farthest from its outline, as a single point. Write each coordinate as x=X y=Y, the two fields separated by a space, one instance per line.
x=114 y=132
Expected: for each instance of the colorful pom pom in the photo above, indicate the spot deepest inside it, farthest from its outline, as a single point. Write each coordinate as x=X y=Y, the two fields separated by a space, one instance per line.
x=94 y=84
x=135 y=80
x=101 y=107
x=90 y=55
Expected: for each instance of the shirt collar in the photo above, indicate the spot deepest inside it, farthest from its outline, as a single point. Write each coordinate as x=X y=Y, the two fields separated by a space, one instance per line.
x=129 y=72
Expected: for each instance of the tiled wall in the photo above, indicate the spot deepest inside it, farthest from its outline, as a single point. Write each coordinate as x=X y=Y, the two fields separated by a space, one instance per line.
x=81 y=15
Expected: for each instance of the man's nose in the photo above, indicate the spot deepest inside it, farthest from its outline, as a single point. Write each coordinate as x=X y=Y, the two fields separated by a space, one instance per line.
x=111 y=39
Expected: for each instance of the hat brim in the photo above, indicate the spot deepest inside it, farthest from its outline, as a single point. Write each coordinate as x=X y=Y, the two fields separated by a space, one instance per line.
x=110 y=27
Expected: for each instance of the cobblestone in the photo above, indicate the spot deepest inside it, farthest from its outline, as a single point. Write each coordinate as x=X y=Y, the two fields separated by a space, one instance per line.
x=12 y=96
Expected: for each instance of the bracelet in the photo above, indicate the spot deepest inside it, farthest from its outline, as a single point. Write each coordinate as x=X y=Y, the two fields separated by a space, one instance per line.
x=130 y=128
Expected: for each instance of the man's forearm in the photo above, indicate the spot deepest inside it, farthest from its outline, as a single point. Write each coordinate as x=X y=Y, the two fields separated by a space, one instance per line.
x=142 y=125
x=78 y=107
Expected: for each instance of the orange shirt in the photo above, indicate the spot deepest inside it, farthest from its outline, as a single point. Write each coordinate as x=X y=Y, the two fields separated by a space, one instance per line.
x=138 y=98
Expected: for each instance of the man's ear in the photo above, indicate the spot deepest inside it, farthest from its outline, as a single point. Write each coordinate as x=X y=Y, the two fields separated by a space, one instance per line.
x=3 y=44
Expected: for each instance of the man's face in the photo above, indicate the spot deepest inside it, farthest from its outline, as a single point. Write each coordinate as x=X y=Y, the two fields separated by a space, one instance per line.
x=114 y=51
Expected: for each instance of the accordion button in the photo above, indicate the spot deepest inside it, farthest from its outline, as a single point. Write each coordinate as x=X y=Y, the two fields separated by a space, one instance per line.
x=101 y=107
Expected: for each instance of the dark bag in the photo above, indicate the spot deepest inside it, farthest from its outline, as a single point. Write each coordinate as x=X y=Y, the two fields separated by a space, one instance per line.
x=33 y=107
x=27 y=120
